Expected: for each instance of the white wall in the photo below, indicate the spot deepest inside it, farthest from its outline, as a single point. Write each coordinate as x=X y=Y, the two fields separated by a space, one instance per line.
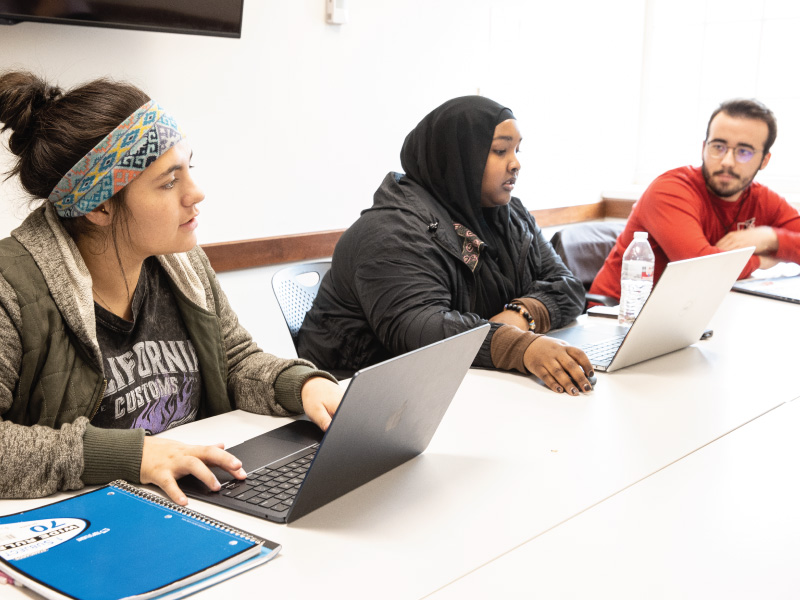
x=700 y=52
x=295 y=124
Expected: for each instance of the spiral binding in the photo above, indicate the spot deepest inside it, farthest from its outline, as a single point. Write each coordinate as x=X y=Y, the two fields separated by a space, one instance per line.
x=156 y=499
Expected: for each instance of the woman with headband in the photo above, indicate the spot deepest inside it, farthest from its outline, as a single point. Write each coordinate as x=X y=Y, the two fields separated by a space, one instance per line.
x=112 y=323
x=445 y=248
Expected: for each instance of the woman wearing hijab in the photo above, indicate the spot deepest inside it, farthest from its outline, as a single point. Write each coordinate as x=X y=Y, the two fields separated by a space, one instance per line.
x=445 y=248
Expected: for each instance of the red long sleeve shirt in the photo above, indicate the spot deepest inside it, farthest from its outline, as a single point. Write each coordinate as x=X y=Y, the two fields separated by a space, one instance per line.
x=684 y=220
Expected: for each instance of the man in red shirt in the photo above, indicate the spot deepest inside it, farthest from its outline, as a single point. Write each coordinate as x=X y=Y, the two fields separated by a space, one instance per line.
x=690 y=211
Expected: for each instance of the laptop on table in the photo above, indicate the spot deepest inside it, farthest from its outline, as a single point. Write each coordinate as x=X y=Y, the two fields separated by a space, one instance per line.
x=784 y=288
x=387 y=416
x=674 y=316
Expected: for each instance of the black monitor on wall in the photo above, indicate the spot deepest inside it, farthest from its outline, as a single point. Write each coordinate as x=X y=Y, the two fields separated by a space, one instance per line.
x=200 y=17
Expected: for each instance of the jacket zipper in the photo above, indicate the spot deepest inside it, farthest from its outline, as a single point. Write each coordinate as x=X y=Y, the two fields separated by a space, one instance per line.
x=523 y=256
x=100 y=399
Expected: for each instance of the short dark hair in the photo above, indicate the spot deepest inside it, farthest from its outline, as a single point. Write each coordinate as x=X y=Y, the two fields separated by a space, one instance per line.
x=749 y=109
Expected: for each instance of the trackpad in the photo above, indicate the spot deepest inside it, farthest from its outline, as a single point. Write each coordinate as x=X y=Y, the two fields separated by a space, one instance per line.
x=590 y=332
x=264 y=449
x=276 y=444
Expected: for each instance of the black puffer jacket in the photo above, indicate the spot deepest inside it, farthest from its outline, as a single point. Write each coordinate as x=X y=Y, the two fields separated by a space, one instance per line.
x=398 y=282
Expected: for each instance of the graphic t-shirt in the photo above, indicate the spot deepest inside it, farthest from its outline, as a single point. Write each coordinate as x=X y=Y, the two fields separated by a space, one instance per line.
x=150 y=365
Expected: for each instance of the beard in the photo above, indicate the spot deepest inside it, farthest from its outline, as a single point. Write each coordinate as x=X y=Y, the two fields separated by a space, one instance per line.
x=730 y=189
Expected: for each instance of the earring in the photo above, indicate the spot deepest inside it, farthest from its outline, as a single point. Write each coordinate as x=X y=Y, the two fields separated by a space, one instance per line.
x=103 y=210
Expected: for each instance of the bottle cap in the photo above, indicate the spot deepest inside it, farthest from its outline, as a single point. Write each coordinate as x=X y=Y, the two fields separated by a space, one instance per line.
x=640 y=235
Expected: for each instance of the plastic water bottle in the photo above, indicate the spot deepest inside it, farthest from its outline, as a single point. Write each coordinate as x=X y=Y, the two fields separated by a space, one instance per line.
x=638 y=264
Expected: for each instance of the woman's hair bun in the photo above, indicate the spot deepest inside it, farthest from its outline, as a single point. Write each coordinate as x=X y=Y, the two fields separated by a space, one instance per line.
x=23 y=96
x=52 y=130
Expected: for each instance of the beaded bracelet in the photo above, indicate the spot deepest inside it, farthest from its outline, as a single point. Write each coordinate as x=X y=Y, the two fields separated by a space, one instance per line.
x=525 y=314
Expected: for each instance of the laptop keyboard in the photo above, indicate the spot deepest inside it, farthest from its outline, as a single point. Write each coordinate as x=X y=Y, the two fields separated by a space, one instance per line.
x=271 y=488
x=603 y=352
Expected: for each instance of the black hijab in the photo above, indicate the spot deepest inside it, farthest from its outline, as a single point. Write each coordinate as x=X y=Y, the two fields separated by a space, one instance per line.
x=446 y=154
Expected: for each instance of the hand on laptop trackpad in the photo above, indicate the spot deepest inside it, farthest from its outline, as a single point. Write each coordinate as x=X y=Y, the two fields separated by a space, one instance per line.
x=263 y=449
x=276 y=444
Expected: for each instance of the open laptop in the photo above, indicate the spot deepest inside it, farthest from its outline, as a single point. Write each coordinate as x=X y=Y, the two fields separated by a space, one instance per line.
x=674 y=316
x=786 y=289
x=387 y=416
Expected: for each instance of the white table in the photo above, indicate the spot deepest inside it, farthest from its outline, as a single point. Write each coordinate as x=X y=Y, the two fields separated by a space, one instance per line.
x=724 y=522
x=513 y=460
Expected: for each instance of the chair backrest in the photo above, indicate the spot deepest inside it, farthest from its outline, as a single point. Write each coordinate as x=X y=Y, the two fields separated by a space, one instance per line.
x=584 y=247
x=295 y=288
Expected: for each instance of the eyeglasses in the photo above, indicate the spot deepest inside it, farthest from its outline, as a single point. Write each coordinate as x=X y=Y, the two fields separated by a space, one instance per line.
x=740 y=153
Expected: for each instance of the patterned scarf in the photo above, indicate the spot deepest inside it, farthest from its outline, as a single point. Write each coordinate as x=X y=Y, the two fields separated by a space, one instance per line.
x=470 y=246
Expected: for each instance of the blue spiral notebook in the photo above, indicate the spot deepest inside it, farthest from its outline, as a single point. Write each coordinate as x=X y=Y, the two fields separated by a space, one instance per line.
x=119 y=541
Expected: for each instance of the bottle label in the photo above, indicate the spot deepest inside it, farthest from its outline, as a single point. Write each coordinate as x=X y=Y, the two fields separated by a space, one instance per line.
x=637 y=269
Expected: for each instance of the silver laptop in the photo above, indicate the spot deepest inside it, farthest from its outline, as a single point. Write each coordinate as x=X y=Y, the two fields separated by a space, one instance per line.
x=675 y=315
x=388 y=416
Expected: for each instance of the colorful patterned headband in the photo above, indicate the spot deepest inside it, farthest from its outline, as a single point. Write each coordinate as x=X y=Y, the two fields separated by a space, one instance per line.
x=116 y=161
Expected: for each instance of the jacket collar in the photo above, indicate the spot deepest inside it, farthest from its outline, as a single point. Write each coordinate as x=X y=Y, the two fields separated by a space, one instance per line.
x=70 y=282
x=398 y=192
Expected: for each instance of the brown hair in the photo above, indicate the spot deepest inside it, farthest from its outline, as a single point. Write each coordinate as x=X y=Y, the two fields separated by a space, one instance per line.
x=749 y=109
x=52 y=130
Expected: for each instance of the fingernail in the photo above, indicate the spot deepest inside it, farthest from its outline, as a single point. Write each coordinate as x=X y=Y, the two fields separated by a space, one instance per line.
x=560 y=390
x=591 y=373
x=574 y=391
x=587 y=387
